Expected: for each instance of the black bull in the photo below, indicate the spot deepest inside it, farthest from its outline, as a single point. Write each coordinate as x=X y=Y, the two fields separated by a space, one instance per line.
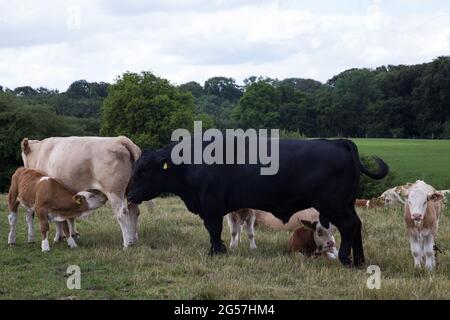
x=323 y=174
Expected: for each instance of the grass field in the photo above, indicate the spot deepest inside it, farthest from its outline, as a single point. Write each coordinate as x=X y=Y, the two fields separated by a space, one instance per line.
x=410 y=160
x=170 y=261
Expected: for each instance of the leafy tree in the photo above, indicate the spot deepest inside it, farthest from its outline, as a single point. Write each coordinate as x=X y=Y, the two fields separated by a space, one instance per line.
x=193 y=87
x=19 y=119
x=25 y=91
x=432 y=98
x=446 y=130
x=79 y=89
x=303 y=85
x=146 y=108
x=259 y=106
x=222 y=87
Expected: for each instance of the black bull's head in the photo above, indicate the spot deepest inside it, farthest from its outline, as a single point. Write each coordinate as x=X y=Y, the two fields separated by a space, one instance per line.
x=149 y=177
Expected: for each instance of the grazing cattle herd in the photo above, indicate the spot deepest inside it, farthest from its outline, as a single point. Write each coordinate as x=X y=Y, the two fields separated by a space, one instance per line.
x=313 y=193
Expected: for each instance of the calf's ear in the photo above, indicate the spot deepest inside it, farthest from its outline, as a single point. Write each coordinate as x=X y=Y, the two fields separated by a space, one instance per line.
x=436 y=196
x=78 y=199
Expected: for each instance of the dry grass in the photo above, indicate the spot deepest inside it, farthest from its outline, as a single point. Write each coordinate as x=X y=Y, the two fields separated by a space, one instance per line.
x=170 y=262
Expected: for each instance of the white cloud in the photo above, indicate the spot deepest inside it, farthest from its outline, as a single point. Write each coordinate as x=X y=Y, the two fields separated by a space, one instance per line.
x=194 y=40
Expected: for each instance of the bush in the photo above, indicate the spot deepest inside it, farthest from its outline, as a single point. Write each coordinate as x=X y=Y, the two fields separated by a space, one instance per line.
x=285 y=134
x=370 y=188
x=19 y=119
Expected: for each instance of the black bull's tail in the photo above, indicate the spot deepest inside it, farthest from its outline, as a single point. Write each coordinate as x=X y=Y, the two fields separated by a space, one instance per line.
x=383 y=168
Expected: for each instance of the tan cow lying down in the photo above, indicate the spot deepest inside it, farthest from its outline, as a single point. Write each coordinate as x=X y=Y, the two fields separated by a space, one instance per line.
x=422 y=210
x=83 y=163
x=51 y=200
x=313 y=239
x=270 y=221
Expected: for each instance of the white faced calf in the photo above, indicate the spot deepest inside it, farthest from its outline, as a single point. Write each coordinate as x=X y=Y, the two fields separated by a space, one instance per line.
x=422 y=211
x=236 y=220
x=312 y=239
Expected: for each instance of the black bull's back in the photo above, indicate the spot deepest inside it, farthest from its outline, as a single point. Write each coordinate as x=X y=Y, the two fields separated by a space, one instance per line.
x=314 y=173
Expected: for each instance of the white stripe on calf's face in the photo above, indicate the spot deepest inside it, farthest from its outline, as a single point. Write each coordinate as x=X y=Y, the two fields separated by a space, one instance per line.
x=417 y=203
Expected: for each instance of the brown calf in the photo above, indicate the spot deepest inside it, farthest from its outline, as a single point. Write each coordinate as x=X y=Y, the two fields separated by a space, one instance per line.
x=312 y=239
x=50 y=200
x=421 y=213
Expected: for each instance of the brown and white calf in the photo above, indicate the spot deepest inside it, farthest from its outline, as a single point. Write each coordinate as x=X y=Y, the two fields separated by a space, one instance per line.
x=236 y=220
x=312 y=239
x=51 y=200
x=422 y=210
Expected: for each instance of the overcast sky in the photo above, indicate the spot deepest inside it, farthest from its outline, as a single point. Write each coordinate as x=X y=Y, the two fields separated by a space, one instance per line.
x=53 y=43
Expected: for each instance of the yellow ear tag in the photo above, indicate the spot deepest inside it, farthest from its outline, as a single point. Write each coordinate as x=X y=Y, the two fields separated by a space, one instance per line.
x=165 y=166
x=77 y=200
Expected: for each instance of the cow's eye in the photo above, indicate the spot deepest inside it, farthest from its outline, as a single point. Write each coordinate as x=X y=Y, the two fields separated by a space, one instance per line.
x=320 y=233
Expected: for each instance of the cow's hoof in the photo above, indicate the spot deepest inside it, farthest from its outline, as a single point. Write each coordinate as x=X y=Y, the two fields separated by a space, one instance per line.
x=218 y=249
x=12 y=244
x=31 y=242
x=71 y=242
x=45 y=246
x=133 y=242
x=77 y=236
x=347 y=262
x=359 y=263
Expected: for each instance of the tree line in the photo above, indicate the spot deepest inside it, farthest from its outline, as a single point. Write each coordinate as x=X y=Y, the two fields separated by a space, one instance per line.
x=385 y=102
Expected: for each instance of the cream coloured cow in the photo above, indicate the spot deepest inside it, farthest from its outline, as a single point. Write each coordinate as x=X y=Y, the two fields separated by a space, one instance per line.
x=421 y=213
x=82 y=163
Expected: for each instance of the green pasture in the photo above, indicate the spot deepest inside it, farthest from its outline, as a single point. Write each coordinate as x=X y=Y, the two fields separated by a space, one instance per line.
x=412 y=160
